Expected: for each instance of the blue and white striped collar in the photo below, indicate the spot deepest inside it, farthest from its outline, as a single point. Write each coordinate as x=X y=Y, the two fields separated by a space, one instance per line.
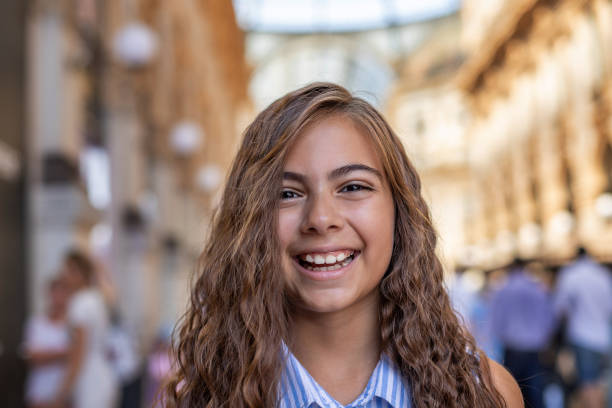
x=386 y=388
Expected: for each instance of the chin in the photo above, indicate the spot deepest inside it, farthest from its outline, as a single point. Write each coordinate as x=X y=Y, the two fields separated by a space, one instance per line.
x=325 y=302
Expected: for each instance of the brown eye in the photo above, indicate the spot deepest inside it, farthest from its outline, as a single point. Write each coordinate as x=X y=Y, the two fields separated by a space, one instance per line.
x=289 y=195
x=349 y=188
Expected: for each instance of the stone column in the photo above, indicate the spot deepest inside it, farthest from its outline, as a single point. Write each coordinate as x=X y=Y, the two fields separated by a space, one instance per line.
x=477 y=221
x=523 y=109
x=131 y=242
x=553 y=195
x=60 y=211
x=524 y=203
x=587 y=173
x=500 y=186
x=171 y=223
x=583 y=140
x=603 y=19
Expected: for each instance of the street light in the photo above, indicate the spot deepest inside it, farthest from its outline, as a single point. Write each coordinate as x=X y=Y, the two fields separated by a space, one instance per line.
x=603 y=205
x=186 y=137
x=209 y=177
x=135 y=45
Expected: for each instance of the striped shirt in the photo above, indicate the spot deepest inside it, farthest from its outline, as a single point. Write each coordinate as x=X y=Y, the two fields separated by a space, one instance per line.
x=386 y=388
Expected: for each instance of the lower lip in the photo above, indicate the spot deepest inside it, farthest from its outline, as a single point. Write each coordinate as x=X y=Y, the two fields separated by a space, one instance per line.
x=326 y=275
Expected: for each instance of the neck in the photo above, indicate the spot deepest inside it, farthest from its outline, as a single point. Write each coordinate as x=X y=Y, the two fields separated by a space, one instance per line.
x=80 y=287
x=339 y=349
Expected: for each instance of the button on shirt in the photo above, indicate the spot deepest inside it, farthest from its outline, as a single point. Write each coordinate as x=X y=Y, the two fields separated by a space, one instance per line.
x=385 y=389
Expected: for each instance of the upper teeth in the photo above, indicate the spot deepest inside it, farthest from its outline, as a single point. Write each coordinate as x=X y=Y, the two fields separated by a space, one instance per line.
x=329 y=259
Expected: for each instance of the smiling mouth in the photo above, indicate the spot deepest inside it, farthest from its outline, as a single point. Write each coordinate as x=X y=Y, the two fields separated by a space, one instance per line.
x=329 y=262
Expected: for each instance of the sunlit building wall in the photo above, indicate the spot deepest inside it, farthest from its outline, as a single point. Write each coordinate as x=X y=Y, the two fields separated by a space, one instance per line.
x=431 y=124
x=135 y=111
x=430 y=116
x=538 y=85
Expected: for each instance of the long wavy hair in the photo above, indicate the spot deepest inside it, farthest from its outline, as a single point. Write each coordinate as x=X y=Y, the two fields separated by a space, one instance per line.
x=228 y=351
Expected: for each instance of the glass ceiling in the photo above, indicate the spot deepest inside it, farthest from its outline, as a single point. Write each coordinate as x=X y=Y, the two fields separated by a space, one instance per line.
x=308 y=16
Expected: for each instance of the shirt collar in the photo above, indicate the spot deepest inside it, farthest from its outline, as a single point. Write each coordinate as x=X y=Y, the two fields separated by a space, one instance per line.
x=299 y=390
x=390 y=385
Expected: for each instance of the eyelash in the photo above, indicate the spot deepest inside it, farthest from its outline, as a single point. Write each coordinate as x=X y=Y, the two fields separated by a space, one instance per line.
x=283 y=192
x=356 y=188
x=360 y=187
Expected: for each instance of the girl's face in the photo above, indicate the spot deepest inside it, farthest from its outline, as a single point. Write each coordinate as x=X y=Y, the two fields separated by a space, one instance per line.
x=336 y=218
x=58 y=295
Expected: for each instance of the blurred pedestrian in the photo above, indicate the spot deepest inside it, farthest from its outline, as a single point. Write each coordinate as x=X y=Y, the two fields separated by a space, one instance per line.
x=523 y=320
x=584 y=298
x=89 y=381
x=125 y=359
x=46 y=344
x=159 y=368
x=463 y=293
x=482 y=328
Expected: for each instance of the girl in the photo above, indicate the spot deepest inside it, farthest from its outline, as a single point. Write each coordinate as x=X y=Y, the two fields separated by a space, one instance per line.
x=46 y=346
x=319 y=286
x=89 y=381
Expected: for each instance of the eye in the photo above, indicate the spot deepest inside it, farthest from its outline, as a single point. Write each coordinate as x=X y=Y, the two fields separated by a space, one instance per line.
x=349 y=188
x=288 y=195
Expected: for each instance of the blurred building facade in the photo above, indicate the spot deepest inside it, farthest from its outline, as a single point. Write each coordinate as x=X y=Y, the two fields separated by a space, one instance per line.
x=429 y=115
x=367 y=62
x=510 y=134
x=134 y=111
x=538 y=83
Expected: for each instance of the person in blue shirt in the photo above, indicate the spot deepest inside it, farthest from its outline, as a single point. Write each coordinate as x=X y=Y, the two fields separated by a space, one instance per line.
x=523 y=320
x=319 y=285
x=583 y=296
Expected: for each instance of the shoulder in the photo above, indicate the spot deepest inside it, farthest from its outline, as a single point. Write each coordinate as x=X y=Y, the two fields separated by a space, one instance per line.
x=77 y=301
x=506 y=385
x=86 y=298
x=82 y=306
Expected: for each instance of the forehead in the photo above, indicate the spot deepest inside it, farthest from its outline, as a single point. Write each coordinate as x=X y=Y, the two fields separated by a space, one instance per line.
x=330 y=142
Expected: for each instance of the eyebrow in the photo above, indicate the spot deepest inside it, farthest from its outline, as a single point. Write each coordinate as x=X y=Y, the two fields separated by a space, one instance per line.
x=336 y=173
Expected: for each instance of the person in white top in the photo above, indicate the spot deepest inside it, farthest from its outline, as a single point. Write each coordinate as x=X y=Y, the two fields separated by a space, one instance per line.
x=45 y=345
x=584 y=297
x=89 y=381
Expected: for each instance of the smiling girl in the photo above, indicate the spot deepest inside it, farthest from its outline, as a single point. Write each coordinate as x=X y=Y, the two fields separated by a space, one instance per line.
x=319 y=286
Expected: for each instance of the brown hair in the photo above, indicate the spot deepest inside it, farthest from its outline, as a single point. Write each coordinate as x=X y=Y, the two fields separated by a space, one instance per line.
x=229 y=347
x=81 y=263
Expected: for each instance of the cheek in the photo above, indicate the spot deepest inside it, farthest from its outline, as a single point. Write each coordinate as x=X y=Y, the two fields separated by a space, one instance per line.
x=288 y=232
x=288 y=225
x=377 y=222
x=377 y=228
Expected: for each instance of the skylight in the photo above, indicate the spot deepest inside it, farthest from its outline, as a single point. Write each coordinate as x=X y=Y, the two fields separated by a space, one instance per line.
x=309 y=16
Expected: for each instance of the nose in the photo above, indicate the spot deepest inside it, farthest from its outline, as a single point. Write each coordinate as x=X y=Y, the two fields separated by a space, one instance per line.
x=321 y=215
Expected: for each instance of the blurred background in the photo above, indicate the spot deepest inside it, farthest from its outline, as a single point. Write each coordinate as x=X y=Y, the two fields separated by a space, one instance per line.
x=120 y=119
